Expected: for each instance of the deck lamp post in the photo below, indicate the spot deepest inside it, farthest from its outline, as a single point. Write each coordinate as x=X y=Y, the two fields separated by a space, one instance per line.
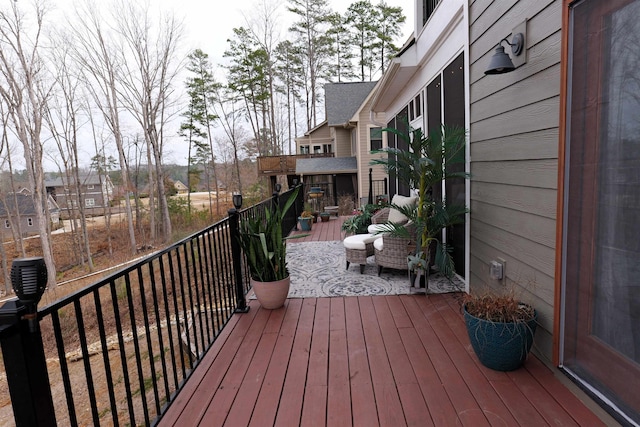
x=236 y=252
x=29 y=280
x=22 y=349
x=237 y=201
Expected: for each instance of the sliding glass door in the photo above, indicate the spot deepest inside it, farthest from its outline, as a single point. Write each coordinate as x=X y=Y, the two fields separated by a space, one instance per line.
x=601 y=262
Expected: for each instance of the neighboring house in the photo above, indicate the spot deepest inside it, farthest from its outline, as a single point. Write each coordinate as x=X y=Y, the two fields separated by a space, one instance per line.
x=180 y=187
x=350 y=134
x=554 y=156
x=94 y=192
x=20 y=207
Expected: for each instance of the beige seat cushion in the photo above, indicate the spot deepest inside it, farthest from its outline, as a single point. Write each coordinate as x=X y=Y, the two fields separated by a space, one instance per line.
x=376 y=228
x=359 y=241
x=404 y=201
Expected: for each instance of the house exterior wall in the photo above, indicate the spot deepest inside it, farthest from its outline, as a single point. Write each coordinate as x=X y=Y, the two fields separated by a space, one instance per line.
x=28 y=225
x=86 y=192
x=437 y=44
x=316 y=137
x=364 y=154
x=513 y=132
x=342 y=138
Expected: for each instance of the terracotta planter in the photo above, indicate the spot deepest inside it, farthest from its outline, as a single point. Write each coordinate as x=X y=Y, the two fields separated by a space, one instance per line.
x=271 y=295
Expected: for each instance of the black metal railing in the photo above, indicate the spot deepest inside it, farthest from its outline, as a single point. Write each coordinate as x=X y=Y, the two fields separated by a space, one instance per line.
x=118 y=351
x=329 y=195
x=378 y=190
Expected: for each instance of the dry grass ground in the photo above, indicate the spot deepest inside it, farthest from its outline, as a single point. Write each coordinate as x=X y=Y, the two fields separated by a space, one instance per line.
x=73 y=275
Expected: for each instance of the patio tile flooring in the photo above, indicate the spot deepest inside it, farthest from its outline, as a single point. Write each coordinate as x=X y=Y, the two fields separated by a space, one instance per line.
x=364 y=361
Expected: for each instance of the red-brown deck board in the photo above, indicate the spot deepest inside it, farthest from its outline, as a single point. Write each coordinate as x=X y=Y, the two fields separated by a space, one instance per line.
x=364 y=361
x=322 y=231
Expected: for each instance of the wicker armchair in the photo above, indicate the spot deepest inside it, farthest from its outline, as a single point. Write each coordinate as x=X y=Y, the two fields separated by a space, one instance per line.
x=381 y=216
x=391 y=251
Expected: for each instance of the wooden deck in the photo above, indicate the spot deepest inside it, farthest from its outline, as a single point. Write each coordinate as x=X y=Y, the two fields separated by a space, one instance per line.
x=322 y=231
x=364 y=361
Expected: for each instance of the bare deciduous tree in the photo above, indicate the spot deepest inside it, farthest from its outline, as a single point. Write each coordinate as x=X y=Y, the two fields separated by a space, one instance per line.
x=62 y=117
x=101 y=66
x=24 y=91
x=147 y=88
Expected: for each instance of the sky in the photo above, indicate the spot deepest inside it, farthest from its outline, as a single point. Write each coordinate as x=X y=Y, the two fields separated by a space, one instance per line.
x=208 y=25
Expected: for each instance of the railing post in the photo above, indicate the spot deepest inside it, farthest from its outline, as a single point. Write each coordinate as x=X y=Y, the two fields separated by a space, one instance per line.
x=386 y=191
x=370 y=186
x=275 y=198
x=26 y=367
x=236 y=255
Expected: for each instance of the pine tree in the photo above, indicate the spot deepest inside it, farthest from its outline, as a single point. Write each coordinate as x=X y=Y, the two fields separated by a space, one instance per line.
x=247 y=75
x=387 y=29
x=343 y=42
x=362 y=18
x=316 y=47
x=289 y=70
x=199 y=117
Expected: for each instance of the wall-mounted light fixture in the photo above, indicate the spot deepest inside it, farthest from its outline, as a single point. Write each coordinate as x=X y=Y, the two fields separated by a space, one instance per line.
x=500 y=61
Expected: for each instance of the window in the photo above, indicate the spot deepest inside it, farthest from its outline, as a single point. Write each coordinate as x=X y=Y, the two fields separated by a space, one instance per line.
x=30 y=222
x=354 y=142
x=304 y=149
x=317 y=149
x=7 y=224
x=428 y=6
x=415 y=108
x=375 y=138
x=90 y=187
x=89 y=203
x=326 y=148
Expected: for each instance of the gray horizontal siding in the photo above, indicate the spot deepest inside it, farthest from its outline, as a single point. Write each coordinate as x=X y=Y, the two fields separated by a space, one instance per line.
x=519 y=94
x=513 y=131
x=539 y=201
x=518 y=147
x=532 y=173
x=535 y=255
x=541 y=115
x=530 y=226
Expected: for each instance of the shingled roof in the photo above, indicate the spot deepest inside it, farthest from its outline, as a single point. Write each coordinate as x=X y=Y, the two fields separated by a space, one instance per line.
x=90 y=178
x=25 y=204
x=342 y=100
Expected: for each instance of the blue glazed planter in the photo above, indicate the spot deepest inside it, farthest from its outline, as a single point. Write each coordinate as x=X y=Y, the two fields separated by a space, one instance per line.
x=500 y=346
x=305 y=223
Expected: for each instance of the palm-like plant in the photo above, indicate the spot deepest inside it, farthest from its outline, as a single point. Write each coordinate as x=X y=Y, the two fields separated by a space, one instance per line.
x=264 y=245
x=424 y=165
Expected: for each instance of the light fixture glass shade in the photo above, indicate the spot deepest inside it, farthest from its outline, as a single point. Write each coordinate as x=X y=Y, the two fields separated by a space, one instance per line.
x=500 y=62
x=29 y=279
x=237 y=201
